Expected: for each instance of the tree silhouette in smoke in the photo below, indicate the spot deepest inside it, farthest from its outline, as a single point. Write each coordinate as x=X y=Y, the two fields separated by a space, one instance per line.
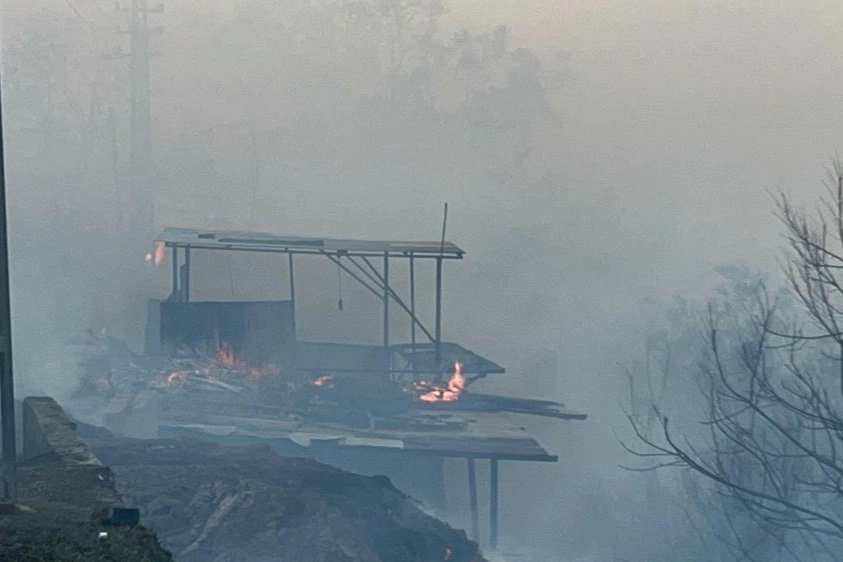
x=771 y=382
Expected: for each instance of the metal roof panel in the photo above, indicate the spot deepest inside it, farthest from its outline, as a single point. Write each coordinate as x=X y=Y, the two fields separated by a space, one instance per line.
x=262 y=241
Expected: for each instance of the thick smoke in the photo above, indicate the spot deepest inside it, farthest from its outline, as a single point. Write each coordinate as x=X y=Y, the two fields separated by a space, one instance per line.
x=597 y=159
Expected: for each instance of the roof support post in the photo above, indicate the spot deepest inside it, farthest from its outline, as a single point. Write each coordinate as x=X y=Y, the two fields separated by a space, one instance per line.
x=472 y=494
x=375 y=290
x=413 y=307
x=493 y=503
x=378 y=280
x=186 y=276
x=292 y=291
x=386 y=299
x=438 y=332
x=175 y=295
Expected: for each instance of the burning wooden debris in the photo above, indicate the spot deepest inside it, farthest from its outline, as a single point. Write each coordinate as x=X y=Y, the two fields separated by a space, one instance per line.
x=222 y=382
x=447 y=393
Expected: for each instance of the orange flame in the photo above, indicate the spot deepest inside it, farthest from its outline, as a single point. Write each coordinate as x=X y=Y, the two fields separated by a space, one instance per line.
x=323 y=380
x=451 y=393
x=228 y=359
x=156 y=257
x=225 y=359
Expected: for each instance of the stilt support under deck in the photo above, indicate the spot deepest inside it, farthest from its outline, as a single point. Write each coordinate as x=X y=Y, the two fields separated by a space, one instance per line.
x=472 y=491
x=493 y=503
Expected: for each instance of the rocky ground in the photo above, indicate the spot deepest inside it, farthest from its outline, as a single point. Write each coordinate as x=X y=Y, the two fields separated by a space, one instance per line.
x=223 y=504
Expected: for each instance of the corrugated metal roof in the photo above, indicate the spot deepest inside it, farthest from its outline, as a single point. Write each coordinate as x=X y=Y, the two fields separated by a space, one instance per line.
x=265 y=242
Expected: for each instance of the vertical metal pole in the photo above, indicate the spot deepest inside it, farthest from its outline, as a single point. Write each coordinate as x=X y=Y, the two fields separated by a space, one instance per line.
x=292 y=291
x=176 y=296
x=141 y=190
x=386 y=299
x=115 y=174
x=438 y=333
x=439 y=293
x=413 y=301
x=472 y=493
x=186 y=287
x=413 y=313
x=7 y=390
x=493 y=504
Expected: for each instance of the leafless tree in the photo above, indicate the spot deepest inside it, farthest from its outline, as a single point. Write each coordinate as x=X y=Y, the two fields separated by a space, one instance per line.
x=771 y=387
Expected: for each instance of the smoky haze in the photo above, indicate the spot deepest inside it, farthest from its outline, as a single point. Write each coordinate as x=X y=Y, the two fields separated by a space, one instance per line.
x=597 y=159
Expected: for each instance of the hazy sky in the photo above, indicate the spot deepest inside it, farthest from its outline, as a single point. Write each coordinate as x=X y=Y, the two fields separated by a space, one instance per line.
x=688 y=111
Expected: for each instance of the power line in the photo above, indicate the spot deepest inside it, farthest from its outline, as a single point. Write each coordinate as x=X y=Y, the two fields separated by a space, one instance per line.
x=99 y=8
x=80 y=16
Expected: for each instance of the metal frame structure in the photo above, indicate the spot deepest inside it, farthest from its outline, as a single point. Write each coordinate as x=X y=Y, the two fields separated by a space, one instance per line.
x=359 y=254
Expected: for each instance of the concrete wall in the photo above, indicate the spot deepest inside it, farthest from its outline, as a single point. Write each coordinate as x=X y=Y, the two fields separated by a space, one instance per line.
x=51 y=444
x=49 y=433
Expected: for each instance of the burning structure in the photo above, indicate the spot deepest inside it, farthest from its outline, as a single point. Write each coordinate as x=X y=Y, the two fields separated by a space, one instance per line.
x=237 y=372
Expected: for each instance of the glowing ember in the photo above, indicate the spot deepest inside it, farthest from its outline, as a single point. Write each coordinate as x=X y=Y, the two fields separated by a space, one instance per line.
x=227 y=359
x=323 y=380
x=225 y=356
x=156 y=257
x=456 y=384
x=223 y=364
x=262 y=371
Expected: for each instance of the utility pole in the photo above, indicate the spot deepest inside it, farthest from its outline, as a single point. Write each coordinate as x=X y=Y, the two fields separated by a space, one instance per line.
x=119 y=200
x=141 y=188
x=7 y=388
